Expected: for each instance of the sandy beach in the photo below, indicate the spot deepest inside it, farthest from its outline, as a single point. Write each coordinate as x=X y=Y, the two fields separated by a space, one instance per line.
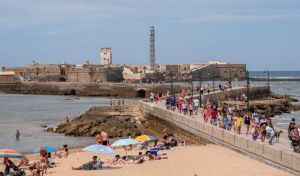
x=191 y=160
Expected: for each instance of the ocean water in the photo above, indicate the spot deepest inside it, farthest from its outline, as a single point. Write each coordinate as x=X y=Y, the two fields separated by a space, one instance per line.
x=28 y=112
x=275 y=74
x=282 y=87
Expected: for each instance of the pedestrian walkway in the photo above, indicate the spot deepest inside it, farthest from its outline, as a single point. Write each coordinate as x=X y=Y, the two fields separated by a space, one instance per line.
x=283 y=144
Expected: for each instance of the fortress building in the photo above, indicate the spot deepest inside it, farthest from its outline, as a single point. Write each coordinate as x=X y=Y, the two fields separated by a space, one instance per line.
x=106 y=71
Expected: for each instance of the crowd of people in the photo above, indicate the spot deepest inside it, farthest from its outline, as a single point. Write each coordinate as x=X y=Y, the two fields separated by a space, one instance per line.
x=116 y=102
x=35 y=167
x=46 y=160
x=24 y=77
x=150 y=152
x=231 y=117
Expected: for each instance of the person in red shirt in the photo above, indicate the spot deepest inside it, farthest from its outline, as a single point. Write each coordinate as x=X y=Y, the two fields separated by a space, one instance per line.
x=156 y=98
x=179 y=106
x=214 y=115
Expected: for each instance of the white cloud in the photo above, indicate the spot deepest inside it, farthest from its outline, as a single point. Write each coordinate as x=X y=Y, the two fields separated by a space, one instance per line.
x=239 y=18
x=14 y=15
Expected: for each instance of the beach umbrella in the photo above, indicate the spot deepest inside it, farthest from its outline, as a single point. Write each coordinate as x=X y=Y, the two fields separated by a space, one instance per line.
x=143 y=138
x=7 y=153
x=98 y=148
x=125 y=142
x=48 y=148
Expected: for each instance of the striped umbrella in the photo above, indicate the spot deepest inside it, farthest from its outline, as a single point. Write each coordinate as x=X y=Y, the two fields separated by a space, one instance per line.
x=7 y=153
x=143 y=138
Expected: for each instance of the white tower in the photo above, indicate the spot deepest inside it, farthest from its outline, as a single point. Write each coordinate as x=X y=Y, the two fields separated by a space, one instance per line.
x=106 y=56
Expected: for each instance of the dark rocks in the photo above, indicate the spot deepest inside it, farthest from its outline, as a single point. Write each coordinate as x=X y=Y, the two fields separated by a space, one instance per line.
x=116 y=121
x=296 y=107
x=49 y=129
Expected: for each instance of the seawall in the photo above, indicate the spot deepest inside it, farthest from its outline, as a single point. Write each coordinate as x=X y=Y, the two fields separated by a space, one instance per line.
x=281 y=158
x=89 y=89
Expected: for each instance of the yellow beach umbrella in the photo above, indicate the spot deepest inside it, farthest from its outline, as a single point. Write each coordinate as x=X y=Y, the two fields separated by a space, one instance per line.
x=143 y=138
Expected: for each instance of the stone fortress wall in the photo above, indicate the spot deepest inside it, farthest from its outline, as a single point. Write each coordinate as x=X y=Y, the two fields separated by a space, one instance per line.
x=88 y=72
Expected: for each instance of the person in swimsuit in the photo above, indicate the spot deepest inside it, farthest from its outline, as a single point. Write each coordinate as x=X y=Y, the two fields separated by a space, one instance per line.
x=117 y=160
x=99 y=138
x=104 y=138
x=18 y=134
x=44 y=158
x=205 y=114
x=89 y=165
x=154 y=157
x=247 y=122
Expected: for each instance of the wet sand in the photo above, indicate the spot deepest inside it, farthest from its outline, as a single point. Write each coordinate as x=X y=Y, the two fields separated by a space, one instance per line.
x=205 y=160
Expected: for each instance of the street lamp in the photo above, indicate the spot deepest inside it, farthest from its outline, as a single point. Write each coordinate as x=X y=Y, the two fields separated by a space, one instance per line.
x=191 y=76
x=171 y=85
x=230 y=79
x=248 y=91
x=213 y=74
x=200 y=96
x=268 y=74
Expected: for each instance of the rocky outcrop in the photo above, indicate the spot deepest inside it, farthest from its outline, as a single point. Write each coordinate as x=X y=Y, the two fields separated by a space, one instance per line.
x=121 y=121
x=275 y=105
x=117 y=121
x=272 y=107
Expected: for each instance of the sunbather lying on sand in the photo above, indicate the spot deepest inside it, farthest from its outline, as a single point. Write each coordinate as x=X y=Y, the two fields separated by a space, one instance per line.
x=91 y=165
x=153 y=157
x=117 y=160
x=139 y=158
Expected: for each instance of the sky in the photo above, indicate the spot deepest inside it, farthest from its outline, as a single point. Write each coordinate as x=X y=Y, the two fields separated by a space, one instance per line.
x=264 y=34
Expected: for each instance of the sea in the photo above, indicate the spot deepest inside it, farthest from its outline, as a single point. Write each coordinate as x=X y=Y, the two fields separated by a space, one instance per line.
x=279 y=87
x=282 y=87
x=29 y=113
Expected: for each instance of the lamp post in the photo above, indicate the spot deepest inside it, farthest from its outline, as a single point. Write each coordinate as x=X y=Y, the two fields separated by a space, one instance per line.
x=268 y=76
x=171 y=83
x=248 y=91
x=213 y=74
x=229 y=78
x=200 y=96
x=191 y=76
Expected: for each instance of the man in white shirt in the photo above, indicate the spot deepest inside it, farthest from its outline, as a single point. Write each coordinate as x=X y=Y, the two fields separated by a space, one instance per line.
x=196 y=105
x=255 y=116
x=271 y=134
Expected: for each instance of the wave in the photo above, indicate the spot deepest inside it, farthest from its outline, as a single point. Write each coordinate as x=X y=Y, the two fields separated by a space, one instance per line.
x=276 y=77
x=281 y=123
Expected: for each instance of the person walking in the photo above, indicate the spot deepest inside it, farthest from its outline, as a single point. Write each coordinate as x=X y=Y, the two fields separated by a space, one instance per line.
x=18 y=134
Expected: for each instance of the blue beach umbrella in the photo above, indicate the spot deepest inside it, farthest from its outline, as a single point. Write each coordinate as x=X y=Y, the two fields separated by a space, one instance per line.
x=98 y=148
x=125 y=142
x=48 y=148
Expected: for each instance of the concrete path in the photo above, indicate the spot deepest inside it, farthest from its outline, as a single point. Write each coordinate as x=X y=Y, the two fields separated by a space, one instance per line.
x=283 y=144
